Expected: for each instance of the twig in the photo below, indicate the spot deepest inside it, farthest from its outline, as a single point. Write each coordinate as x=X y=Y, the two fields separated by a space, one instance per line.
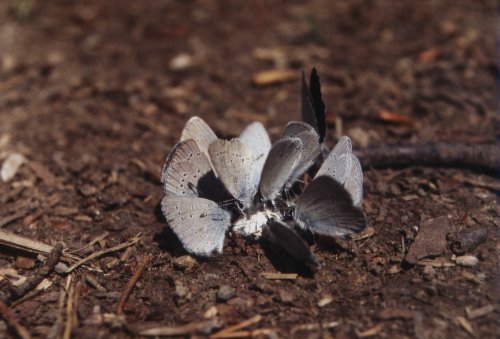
x=478 y=157
x=7 y=314
x=258 y=333
x=97 y=254
x=203 y=327
x=128 y=288
x=235 y=328
x=314 y=327
x=13 y=217
x=69 y=312
x=279 y=276
x=25 y=244
x=12 y=293
x=91 y=243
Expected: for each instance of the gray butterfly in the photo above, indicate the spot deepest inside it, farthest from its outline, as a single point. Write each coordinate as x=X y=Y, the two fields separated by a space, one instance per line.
x=342 y=165
x=354 y=181
x=185 y=164
x=199 y=131
x=200 y=224
x=310 y=147
x=326 y=207
x=234 y=165
x=339 y=161
x=285 y=237
x=255 y=137
x=188 y=172
x=279 y=167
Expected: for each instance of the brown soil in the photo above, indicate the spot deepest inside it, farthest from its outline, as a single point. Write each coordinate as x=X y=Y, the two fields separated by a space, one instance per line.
x=89 y=96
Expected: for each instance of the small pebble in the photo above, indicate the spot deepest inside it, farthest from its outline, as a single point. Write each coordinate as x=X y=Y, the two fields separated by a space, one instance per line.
x=325 y=301
x=467 y=260
x=181 y=62
x=429 y=272
x=210 y=313
x=185 y=263
x=87 y=190
x=11 y=165
x=225 y=293
x=182 y=294
x=286 y=297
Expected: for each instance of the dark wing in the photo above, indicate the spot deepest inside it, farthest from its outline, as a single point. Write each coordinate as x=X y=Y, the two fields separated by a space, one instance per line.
x=284 y=236
x=312 y=105
x=326 y=207
x=319 y=105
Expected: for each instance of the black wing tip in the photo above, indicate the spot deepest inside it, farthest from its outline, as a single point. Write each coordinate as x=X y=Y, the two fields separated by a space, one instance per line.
x=314 y=77
x=313 y=107
x=318 y=103
x=313 y=263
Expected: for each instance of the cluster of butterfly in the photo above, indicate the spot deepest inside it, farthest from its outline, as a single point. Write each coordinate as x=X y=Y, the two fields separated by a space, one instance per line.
x=254 y=186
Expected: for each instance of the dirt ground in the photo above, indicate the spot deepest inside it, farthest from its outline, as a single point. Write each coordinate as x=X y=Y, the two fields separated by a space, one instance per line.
x=94 y=95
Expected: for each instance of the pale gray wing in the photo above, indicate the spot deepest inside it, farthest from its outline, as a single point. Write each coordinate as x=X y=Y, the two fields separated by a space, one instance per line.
x=235 y=166
x=255 y=137
x=325 y=207
x=354 y=182
x=185 y=166
x=200 y=224
x=338 y=163
x=310 y=147
x=284 y=236
x=199 y=131
x=293 y=128
x=279 y=166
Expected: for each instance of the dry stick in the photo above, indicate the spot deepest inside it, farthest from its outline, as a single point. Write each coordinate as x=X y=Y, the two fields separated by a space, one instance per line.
x=260 y=332
x=25 y=244
x=94 y=255
x=7 y=314
x=69 y=312
x=13 y=217
x=12 y=293
x=479 y=157
x=128 y=288
x=91 y=243
x=203 y=327
x=235 y=328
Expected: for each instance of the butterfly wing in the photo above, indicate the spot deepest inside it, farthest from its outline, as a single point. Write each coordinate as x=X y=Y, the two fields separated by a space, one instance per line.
x=310 y=146
x=312 y=105
x=284 y=236
x=185 y=164
x=188 y=172
x=234 y=164
x=325 y=207
x=255 y=137
x=338 y=163
x=279 y=166
x=198 y=130
x=200 y=224
x=354 y=181
x=307 y=104
x=319 y=105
